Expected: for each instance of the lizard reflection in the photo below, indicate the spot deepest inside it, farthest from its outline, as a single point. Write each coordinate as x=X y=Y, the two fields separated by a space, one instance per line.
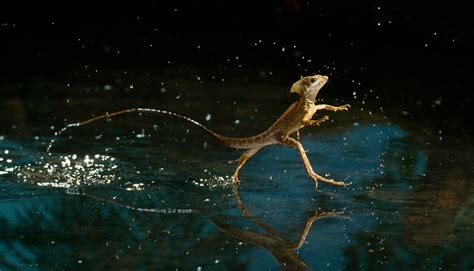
x=280 y=248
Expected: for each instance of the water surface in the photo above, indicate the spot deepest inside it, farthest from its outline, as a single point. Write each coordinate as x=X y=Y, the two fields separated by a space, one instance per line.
x=148 y=192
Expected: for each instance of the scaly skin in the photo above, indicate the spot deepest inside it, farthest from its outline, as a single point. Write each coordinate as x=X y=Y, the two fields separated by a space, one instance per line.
x=297 y=116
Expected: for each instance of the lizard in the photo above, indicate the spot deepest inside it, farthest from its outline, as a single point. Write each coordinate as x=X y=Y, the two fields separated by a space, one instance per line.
x=297 y=115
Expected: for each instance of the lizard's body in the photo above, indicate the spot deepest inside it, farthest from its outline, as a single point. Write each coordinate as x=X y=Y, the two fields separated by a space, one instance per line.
x=297 y=116
x=286 y=124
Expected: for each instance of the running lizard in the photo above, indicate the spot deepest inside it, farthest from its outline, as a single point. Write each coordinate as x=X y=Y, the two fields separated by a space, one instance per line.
x=297 y=116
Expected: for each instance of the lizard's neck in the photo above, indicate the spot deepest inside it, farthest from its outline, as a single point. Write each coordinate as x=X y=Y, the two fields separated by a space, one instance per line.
x=307 y=101
x=304 y=105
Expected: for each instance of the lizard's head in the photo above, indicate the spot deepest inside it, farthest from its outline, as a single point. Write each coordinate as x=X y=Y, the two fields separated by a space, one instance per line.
x=309 y=86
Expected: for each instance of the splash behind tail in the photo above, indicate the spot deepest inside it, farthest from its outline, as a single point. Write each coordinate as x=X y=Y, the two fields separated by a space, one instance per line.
x=239 y=143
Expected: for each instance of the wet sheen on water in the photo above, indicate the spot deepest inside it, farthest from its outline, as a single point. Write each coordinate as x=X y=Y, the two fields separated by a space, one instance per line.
x=149 y=192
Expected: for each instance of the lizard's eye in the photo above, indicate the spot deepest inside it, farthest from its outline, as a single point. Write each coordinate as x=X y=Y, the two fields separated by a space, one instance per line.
x=312 y=80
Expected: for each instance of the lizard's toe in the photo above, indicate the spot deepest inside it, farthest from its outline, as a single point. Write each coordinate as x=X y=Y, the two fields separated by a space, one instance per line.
x=235 y=178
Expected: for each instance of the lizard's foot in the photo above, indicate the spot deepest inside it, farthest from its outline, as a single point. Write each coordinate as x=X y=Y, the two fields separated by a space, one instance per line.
x=235 y=178
x=343 y=107
x=317 y=177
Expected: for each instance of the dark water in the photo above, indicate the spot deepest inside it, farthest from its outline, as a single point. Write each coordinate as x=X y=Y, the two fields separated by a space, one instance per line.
x=146 y=192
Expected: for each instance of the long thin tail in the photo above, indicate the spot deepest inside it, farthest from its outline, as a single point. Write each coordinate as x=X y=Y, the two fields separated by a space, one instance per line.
x=228 y=141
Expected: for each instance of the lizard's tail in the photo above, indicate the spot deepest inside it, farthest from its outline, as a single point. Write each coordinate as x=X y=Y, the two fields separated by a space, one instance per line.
x=222 y=139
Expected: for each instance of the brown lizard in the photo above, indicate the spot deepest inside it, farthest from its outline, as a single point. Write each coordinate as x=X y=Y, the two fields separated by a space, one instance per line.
x=297 y=116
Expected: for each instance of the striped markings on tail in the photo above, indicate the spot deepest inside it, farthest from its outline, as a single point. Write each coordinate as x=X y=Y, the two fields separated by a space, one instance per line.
x=231 y=142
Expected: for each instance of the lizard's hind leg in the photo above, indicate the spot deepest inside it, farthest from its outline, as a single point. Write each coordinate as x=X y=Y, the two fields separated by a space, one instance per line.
x=288 y=141
x=241 y=161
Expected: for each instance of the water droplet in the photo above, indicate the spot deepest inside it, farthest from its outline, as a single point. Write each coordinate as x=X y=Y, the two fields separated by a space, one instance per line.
x=141 y=135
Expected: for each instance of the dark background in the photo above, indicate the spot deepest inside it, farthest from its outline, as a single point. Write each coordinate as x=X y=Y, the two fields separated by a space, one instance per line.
x=404 y=50
x=408 y=62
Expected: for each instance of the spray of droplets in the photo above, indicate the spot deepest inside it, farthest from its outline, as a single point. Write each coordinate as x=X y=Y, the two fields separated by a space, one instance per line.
x=69 y=171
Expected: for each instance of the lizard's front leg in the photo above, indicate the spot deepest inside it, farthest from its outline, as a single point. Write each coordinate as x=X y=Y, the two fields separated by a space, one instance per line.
x=332 y=108
x=288 y=141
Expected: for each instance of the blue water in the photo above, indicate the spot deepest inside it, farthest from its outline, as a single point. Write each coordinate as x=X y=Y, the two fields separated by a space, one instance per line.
x=142 y=192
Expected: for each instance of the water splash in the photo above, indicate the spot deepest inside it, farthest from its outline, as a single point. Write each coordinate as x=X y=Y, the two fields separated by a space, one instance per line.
x=134 y=186
x=69 y=171
x=213 y=182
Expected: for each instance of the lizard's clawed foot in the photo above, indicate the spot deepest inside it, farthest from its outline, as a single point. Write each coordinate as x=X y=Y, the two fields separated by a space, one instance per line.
x=317 y=178
x=235 y=178
x=343 y=107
